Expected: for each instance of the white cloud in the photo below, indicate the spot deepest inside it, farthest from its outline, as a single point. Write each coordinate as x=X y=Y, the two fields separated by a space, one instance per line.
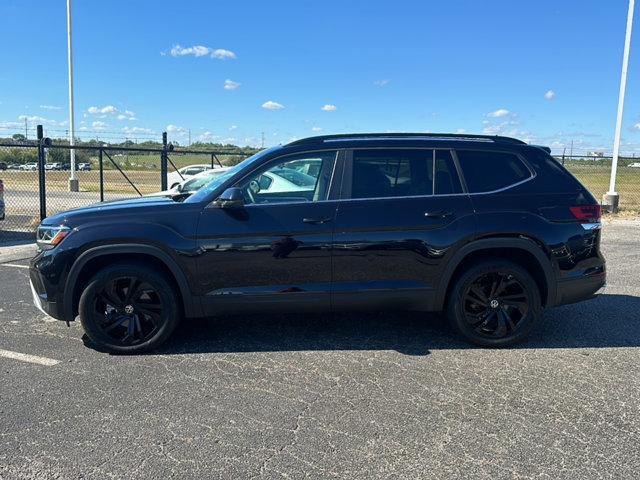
x=233 y=127
x=36 y=119
x=7 y=125
x=202 y=51
x=230 y=84
x=501 y=112
x=176 y=129
x=207 y=136
x=271 y=105
x=196 y=51
x=316 y=129
x=223 y=54
x=134 y=130
x=328 y=108
x=130 y=113
x=121 y=117
x=637 y=126
x=381 y=83
x=550 y=95
x=461 y=130
x=106 y=109
x=98 y=125
x=50 y=107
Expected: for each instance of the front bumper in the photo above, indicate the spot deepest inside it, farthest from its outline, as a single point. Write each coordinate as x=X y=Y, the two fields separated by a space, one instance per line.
x=41 y=298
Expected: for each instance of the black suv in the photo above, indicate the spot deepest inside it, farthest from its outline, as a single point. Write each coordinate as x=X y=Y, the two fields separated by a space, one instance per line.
x=487 y=228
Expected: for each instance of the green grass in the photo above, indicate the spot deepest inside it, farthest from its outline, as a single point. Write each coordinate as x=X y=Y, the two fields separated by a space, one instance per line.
x=595 y=176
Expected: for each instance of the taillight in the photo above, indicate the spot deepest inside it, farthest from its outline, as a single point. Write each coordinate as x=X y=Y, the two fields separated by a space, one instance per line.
x=586 y=213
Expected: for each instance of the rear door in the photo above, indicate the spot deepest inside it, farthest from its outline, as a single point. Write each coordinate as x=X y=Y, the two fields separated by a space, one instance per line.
x=401 y=216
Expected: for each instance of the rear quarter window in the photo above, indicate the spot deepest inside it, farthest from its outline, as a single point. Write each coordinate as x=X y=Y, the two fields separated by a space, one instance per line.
x=551 y=176
x=486 y=171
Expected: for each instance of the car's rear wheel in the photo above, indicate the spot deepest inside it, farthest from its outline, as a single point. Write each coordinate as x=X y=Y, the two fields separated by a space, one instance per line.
x=128 y=308
x=494 y=303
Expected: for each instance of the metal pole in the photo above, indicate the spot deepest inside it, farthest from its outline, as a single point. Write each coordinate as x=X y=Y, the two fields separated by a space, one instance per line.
x=41 y=177
x=611 y=198
x=101 y=176
x=73 y=181
x=163 y=163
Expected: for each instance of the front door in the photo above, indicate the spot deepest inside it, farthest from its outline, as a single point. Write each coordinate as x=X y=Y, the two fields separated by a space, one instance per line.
x=402 y=215
x=275 y=253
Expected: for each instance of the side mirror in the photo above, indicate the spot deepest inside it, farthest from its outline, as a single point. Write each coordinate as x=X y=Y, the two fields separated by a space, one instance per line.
x=231 y=198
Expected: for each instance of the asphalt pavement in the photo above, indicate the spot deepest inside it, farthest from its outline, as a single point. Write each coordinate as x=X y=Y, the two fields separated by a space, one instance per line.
x=342 y=396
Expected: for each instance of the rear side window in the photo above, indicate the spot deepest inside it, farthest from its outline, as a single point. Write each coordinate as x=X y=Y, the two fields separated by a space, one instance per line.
x=489 y=171
x=403 y=173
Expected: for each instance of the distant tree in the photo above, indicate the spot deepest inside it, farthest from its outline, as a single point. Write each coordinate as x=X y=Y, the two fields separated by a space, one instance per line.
x=18 y=136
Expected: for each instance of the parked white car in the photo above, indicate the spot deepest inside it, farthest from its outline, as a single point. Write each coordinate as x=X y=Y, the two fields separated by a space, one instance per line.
x=29 y=166
x=192 y=184
x=175 y=178
x=634 y=165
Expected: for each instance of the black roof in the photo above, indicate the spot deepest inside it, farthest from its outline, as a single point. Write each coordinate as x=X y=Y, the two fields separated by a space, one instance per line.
x=355 y=137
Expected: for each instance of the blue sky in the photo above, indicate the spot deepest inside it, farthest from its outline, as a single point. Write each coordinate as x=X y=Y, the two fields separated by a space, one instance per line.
x=545 y=71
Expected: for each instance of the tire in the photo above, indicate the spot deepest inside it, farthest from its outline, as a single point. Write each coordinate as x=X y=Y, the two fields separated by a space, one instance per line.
x=128 y=308
x=472 y=308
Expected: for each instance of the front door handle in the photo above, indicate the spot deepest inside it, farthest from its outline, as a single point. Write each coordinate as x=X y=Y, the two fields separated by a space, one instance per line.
x=438 y=214
x=316 y=220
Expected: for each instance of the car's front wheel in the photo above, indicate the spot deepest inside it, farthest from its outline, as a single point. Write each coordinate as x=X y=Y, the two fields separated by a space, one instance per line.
x=494 y=303
x=128 y=308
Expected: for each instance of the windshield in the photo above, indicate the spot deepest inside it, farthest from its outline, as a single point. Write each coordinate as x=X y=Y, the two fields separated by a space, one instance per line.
x=205 y=191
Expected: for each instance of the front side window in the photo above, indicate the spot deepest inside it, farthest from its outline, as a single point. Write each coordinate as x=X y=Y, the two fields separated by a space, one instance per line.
x=489 y=171
x=403 y=173
x=295 y=178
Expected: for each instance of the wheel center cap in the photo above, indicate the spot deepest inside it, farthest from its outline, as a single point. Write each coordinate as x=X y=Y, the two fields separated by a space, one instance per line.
x=129 y=309
x=494 y=303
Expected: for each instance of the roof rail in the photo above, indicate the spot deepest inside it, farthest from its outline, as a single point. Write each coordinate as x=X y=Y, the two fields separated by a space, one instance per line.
x=407 y=136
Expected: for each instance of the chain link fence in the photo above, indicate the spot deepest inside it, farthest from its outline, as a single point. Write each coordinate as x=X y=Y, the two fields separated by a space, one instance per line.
x=595 y=171
x=35 y=176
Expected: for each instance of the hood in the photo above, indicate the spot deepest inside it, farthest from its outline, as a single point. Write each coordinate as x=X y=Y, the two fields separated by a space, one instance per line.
x=114 y=207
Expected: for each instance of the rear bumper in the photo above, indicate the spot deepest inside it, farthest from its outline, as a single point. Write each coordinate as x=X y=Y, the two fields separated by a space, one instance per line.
x=584 y=287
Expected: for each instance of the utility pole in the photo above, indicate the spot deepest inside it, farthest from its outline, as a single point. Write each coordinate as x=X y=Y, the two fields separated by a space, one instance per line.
x=571 y=150
x=73 y=181
x=611 y=199
x=262 y=143
x=26 y=130
x=189 y=137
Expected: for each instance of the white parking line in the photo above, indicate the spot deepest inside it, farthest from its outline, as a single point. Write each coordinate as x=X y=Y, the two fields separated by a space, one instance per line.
x=13 y=265
x=23 y=357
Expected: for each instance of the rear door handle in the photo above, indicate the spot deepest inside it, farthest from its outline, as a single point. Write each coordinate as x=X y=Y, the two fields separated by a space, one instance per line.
x=317 y=221
x=438 y=214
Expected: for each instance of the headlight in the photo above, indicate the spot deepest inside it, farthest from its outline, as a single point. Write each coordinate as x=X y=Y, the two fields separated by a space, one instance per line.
x=48 y=237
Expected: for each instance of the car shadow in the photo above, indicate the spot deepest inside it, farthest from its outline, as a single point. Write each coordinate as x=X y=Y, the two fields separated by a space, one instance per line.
x=604 y=322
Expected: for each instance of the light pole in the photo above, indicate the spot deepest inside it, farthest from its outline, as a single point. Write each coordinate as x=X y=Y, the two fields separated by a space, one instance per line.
x=73 y=181
x=611 y=199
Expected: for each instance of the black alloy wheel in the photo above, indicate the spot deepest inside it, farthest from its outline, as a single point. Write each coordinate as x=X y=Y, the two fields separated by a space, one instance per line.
x=128 y=308
x=494 y=303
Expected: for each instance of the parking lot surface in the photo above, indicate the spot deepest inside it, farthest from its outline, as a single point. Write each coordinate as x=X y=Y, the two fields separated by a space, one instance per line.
x=342 y=396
